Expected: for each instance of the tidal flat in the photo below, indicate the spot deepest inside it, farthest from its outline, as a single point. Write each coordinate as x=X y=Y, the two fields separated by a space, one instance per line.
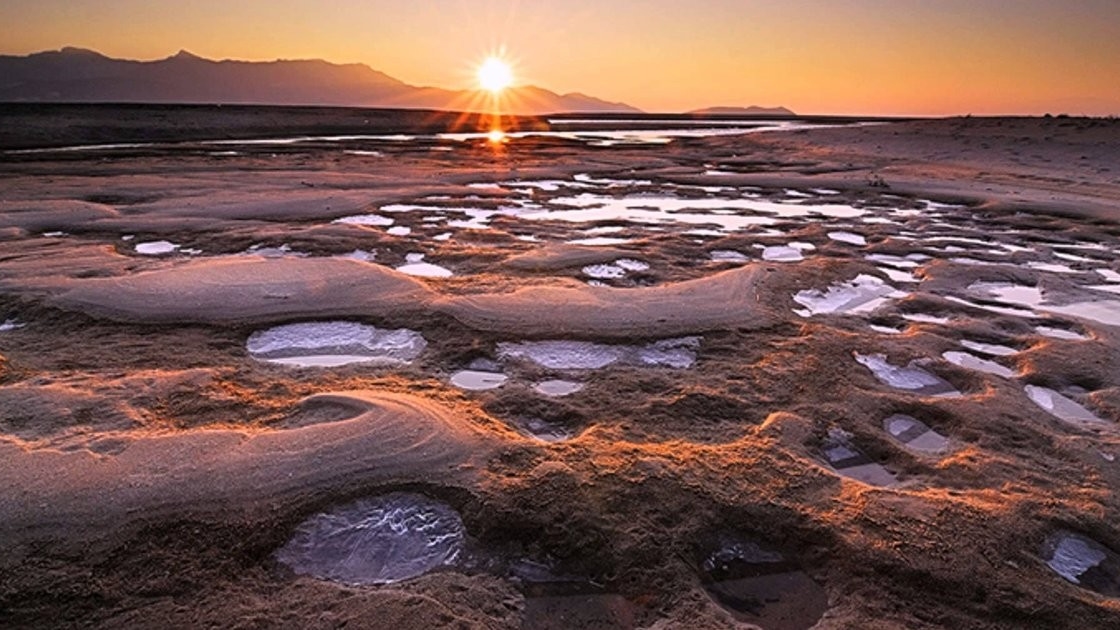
x=792 y=373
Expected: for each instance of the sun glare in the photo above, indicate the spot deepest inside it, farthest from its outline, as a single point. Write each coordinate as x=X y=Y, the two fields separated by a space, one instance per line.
x=495 y=75
x=496 y=136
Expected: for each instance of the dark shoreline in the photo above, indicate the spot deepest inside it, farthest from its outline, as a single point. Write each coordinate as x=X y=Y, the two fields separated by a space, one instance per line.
x=52 y=125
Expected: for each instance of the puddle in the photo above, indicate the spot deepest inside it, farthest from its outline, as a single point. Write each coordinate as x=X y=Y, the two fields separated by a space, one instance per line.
x=1061 y=407
x=283 y=251
x=10 y=324
x=632 y=265
x=379 y=540
x=705 y=232
x=589 y=208
x=973 y=362
x=862 y=295
x=910 y=378
x=1083 y=561
x=915 y=434
x=543 y=430
x=1008 y=293
x=548 y=185
x=156 y=248
x=972 y=262
x=477 y=218
x=991 y=308
x=557 y=387
x=1103 y=312
x=677 y=353
x=782 y=253
x=616 y=270
x=898 y=275
x=365 y=219
x=1073 y=257
x=361 y=255
x=728 y=255
x=1109 y=288
x=850 y=238
x=329 y=344
x=763 y=587
x=1060 y=333
x=606 y=229
x=1052 y=267
x=850 y=462
x=886 y=330
x=604 y=272
x=991 y=349
x=733 y=213
x=600 y=241
x=477 y=380
x=957 y=239
x=910 y=261
x=415 y=266
x=557 y=601
x=1109 y=275
x=399 y=230
x=564 y=355
x=925 y=318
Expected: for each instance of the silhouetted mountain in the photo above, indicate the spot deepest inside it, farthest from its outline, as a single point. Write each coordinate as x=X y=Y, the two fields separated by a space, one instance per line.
x=753 y=110
x=74 y=75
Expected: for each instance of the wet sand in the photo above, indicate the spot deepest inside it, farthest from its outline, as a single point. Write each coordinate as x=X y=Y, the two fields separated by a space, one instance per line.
x=151 y=467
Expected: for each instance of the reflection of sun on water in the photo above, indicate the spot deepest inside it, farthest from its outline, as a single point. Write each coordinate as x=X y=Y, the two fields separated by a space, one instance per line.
x=495 y=75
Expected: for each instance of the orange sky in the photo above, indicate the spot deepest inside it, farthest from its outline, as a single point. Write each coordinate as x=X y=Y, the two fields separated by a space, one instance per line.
x=922 y=57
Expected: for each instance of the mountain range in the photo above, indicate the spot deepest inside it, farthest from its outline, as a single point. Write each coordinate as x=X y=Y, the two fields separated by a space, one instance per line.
x=753 y=110
x=74 y=75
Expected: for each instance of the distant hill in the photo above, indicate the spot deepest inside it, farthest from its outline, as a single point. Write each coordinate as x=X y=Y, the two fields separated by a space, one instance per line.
x=753 y=110
x=75 y=75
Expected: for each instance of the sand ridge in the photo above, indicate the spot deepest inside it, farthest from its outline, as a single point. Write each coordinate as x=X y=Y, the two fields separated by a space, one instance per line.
x=391 y=438
x=241 y=290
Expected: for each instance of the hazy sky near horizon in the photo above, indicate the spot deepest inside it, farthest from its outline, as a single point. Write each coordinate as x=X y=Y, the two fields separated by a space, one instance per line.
x=921 y=57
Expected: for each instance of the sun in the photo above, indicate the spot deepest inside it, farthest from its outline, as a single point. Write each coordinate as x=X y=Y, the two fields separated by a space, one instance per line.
x=495 y=75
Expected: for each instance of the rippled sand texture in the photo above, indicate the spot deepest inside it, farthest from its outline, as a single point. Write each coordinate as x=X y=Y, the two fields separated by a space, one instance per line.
x=863 y=376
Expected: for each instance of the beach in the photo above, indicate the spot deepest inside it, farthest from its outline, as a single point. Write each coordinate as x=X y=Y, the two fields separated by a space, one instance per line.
x=833 y=372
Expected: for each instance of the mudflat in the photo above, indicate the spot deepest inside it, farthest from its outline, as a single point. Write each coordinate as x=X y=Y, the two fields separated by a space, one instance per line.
x=816 y=372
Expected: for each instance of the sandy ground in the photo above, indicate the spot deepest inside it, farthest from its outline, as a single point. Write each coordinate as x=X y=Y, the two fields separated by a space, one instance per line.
x=150 y=467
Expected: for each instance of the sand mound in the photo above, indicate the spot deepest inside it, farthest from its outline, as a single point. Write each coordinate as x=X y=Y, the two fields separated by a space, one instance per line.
x=225 y=290
x=393 y=438
x=49 y=215
x=728 y=299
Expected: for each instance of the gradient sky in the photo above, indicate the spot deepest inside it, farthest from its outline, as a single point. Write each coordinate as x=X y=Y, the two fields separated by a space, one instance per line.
x=923 y=57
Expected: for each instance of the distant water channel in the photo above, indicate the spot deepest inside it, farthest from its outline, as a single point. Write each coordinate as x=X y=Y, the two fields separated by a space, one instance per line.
x=592 y=131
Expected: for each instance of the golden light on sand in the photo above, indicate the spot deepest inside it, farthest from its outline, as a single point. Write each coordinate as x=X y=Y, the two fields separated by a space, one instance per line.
x=495 y=75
